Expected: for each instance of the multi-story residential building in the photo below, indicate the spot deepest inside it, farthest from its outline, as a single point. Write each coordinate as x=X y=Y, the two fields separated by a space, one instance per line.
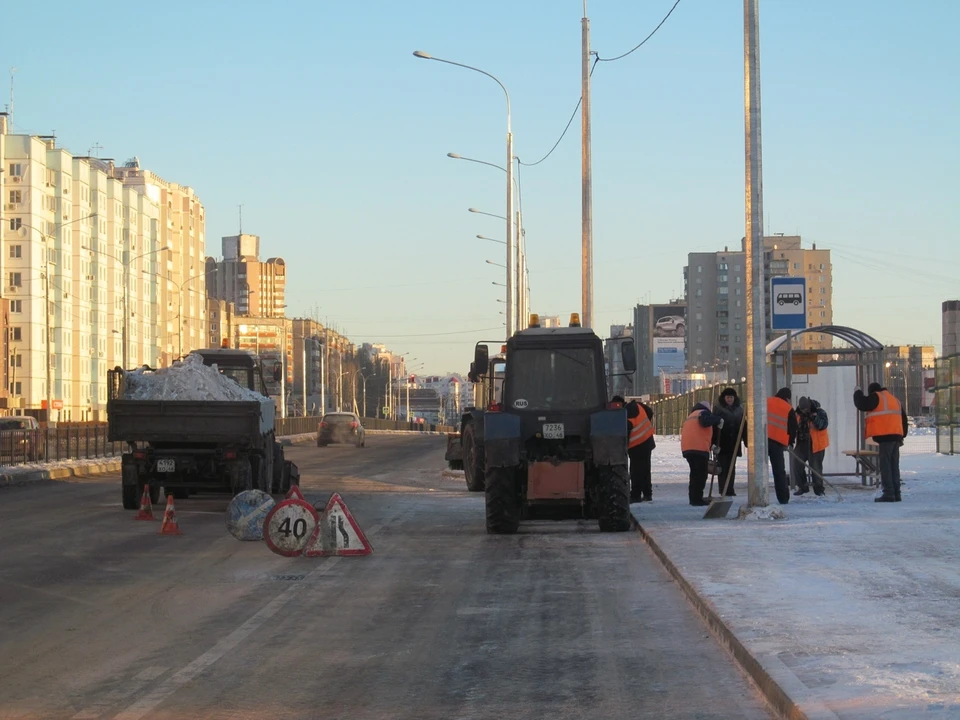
x=85 y=252
x=715 y=294
x=181 y=236
x=220 y=320
x=257 y=289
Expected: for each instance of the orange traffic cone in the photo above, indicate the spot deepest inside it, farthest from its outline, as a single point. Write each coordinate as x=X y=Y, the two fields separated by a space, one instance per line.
x=169 y=525
x=146 y=509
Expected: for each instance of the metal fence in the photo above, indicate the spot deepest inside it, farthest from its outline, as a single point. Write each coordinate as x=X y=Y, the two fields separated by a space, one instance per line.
x=669 y=413
x=947 y=404
x=88 y=441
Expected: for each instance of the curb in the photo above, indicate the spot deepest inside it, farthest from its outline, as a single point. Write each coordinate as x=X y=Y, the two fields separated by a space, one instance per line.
x=59 y=473
x=779 y=698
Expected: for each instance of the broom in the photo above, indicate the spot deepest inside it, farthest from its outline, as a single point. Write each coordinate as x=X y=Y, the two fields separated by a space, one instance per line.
x=721 y=506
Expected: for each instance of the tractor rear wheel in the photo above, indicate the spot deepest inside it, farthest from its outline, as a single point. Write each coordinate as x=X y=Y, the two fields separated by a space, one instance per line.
x=502 y=501
x=613 y=490
x=473 y=459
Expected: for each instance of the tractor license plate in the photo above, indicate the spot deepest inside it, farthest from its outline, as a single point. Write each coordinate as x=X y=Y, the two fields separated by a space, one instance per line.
x=553 y=431
x=166 y=465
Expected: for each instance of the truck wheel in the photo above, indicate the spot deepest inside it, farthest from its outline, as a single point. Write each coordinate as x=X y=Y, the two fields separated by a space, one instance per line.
x=613 y=489
x=241 y=476
x=473 y=459
x=130 y=499
x=278 y=467
x=502 y=501
x=131 y=486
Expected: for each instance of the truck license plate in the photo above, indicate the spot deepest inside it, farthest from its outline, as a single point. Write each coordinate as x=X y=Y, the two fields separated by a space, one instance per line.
x=553 y=431
x=166 y=465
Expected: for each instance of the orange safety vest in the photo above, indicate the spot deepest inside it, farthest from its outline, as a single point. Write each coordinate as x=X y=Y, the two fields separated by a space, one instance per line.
x=641 y=429
x=886 y=419
x=693 y=435
x=778 y=410
x=819 y=439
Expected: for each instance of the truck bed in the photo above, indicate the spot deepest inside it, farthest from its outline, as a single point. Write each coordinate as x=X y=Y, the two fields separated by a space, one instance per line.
x=193 y=421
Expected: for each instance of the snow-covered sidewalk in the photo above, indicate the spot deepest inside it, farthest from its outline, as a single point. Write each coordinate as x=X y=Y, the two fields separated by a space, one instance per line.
x=852 y=608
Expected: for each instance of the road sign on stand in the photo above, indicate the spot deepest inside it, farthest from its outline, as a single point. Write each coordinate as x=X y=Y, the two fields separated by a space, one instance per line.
x=246 y=514
x=337 y=532
x=788 y=303
x=289 y=526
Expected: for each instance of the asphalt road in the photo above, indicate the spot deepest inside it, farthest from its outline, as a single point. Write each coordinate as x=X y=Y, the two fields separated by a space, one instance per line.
x=102 y=618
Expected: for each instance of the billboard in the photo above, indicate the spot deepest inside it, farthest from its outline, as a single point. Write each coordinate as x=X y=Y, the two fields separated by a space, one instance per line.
x=667 y=334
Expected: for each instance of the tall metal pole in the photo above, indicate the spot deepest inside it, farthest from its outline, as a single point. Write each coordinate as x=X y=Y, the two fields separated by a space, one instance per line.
x=756 y=347
x=511 y=239
x=587 y=199
x=303 y=342
x=323 y=377
x=48 y=344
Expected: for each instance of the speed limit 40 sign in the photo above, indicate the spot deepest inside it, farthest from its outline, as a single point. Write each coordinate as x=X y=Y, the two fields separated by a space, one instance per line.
x=289 y=525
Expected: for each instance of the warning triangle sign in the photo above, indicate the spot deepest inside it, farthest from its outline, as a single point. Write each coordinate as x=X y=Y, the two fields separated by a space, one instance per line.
x=337 y=532
x=294 y=492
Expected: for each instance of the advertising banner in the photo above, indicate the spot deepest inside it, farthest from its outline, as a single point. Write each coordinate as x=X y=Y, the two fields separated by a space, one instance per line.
x=669 y=345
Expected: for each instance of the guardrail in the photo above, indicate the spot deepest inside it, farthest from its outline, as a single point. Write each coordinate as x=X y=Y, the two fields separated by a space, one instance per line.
x=88 y=441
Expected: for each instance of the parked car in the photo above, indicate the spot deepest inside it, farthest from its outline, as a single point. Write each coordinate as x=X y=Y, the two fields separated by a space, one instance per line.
x=21 y=439
x=341 y=427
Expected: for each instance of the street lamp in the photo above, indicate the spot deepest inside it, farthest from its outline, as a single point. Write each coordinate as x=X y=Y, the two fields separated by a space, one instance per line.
x=484 y=237
x=126 y=292
x=510 y=238
x=520 y=274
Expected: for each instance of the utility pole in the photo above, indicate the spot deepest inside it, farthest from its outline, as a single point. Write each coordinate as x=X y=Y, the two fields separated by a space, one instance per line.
x=303 y=365
x=587 y=198
x=756 y=347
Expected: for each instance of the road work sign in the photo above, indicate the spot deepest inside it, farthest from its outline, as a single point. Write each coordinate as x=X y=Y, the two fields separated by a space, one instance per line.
x=289 y=526
x=337 y=532
x=246 y=514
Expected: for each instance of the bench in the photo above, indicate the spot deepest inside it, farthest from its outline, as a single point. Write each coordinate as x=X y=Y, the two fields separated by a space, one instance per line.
x=868 y=465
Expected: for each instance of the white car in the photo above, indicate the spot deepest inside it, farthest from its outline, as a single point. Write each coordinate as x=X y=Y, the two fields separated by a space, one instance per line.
x=670 y=323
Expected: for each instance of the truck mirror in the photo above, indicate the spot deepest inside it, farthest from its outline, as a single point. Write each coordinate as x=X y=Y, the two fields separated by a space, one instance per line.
x=628 y=354
x=481 y=360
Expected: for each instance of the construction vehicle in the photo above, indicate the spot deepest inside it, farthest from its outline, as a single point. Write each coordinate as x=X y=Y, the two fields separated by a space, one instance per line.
x=463 y=446
x=190 y=446
x=546 y=442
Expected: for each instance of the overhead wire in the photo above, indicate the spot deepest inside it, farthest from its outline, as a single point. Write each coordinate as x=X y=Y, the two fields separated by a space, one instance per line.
x=593 y=67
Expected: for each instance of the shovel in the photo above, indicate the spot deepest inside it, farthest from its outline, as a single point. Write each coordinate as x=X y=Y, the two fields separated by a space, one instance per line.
x=721 y=506
x=825 y=481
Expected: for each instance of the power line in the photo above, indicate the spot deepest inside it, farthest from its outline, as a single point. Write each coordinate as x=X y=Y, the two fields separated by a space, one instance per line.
x=458 y=332
x=618 y=57
x=569 y=122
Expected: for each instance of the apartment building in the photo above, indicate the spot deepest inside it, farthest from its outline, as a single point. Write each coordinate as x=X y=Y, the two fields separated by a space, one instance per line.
x=715 y=295
x=257 y=289
x=85 y=249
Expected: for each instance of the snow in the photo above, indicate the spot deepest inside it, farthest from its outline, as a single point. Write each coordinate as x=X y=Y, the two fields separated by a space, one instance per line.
x=856 y=601
x=192 y=380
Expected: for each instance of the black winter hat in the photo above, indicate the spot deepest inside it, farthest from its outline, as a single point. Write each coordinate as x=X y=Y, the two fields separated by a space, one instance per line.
x=727 y=392
x=874 y=387
x=784 y=393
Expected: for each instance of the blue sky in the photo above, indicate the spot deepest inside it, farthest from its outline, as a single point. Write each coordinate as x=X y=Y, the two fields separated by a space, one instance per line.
x=319 y=120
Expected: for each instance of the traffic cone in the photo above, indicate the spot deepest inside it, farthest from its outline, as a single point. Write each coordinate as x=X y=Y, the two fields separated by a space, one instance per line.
x=169 y=525
x=146 y=509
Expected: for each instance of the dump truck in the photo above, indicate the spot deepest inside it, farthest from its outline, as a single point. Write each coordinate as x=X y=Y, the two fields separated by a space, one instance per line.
x=548 y=443
x=197 y=445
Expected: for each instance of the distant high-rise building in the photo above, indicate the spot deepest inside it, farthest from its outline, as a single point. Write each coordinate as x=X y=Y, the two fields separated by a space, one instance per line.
x=257 y=289
x=659 y=339
x=951 y=328
x=716 y=296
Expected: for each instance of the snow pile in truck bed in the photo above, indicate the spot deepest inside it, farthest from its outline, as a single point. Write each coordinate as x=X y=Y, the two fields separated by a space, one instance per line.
x=188 y=380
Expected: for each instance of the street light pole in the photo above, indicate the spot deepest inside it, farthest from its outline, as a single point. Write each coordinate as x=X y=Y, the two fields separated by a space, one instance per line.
x=126 y=298
x=587 y=195
x=510 y=236
x=756 y=345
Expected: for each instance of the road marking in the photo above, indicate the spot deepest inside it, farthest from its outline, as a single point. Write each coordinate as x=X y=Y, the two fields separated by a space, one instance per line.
x=124 y=691
x=153 y=699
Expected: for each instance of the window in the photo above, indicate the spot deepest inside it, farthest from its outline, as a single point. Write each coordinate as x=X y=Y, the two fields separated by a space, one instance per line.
x=722 y=266
x=16 y=334
x=724 y=290
x=822 y=314
x=16 y=169
x=823 y=291
x=821 y=278
x=739 y=291
x=16 y=279
x=699 y=268
x=16 y=196
x=16 y=388
x=699 y=317
x=16 y=360
x=821 y=266
x=699 y=292
x=16 y=251
x=736 y=326
x=736 y=268
x=16 y=223
x=16 y=306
